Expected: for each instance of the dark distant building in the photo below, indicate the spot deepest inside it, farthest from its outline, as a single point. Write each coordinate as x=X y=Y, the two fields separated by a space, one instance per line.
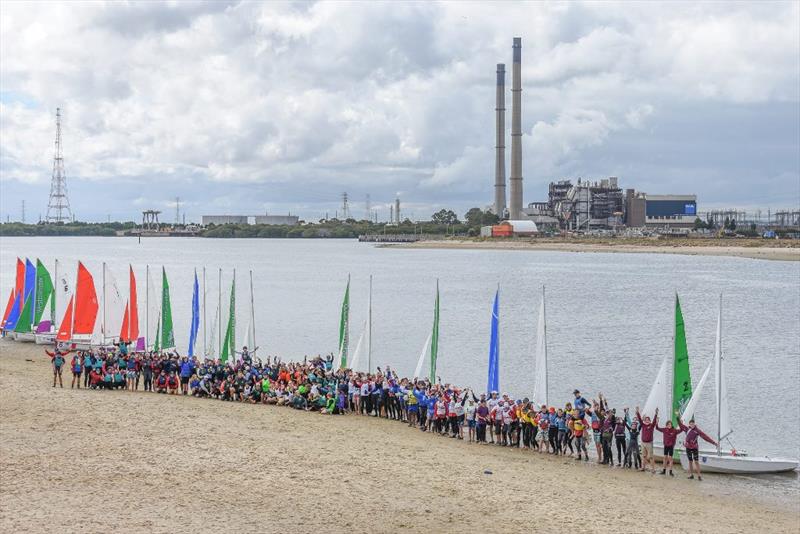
x=678 y=211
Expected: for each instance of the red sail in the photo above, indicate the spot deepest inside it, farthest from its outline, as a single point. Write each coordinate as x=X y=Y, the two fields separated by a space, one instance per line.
x=133 y=320
x=8 y=308
x=85 y=302
x=65 y=329
x=123 y=332
x=19 y=286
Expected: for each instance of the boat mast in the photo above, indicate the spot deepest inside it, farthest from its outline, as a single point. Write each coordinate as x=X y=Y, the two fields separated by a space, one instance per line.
x=104 y=303
x=671 y=394
x=205 y=351
x=369 y=328
x=718 y=365
x=252 y=314
x=544 y=344
x=55 y=292
x=219 y=312
x=147 y=308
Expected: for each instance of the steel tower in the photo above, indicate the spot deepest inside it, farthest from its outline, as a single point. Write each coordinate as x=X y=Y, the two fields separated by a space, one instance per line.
x=58 y=209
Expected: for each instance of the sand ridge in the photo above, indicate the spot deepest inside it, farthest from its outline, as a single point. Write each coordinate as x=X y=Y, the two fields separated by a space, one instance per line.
x=754 y=250
x=99 y=461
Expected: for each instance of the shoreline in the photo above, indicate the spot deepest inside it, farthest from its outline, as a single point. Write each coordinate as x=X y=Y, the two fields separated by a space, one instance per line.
x=791 y=253
x=201 y=464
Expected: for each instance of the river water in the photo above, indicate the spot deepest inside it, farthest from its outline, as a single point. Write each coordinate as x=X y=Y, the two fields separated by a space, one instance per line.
x=609 y=316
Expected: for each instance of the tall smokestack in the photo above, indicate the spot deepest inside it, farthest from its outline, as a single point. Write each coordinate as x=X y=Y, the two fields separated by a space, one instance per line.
x=397 y=209
x=500 y=143
x=515 y=198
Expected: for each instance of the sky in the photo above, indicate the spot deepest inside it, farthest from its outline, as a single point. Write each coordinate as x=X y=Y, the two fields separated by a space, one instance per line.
x=251 y=108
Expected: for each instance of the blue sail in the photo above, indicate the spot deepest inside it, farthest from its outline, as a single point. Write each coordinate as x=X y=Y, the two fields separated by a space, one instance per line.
x=494 y=347
x=13 y=315
x=195 y=316
x=30 y=286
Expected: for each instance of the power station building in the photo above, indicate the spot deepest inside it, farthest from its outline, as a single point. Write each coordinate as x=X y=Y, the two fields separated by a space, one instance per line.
x=659 y=211
x=581 y=206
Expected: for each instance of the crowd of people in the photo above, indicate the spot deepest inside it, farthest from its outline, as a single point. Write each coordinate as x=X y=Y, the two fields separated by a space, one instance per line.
x=442 y=409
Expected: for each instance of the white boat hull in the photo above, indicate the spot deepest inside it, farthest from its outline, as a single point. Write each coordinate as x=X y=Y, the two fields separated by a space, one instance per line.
x=25 y=337
x=714 y=463
x=47 y=338
x=658 y=452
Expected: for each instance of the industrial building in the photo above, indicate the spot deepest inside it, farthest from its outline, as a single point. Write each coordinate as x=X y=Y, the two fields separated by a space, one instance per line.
x=521 y=228
x=659 y=211
x=586 y=206
x=581 y=206
x=277 y=220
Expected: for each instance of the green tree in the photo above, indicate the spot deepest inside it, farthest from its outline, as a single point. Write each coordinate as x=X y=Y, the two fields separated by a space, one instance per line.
x=444 y=216
x=473 y=217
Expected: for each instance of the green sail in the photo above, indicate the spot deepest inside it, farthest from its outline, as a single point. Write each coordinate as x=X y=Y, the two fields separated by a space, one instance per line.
x=167 y=333
x=229 y=345
x=44 y=292
x=681 y=378
x=156 y=345
x=24 y=324
x=435 y=337
x=344 y=331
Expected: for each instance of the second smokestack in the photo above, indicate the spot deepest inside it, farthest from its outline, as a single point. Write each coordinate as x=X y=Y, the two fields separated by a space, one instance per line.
x=500 y=143
x=515 y=198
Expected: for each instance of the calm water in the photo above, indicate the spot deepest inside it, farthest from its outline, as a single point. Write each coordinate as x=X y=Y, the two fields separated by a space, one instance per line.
x=609 y=315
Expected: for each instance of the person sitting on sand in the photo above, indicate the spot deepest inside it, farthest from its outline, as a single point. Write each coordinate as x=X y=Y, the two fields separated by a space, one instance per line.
x=161 y=383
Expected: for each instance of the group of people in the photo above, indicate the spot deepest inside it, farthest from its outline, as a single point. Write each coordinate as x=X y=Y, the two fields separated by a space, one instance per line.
x=443 y=409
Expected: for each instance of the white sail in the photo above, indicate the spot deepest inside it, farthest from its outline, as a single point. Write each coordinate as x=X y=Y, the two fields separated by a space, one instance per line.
x=539 y=396
x=153 y=311
x=354 y=359
x=691 y=406
x=658 y=397
x=249 y=335
x=723 y=422
x=212 y=342
x=63 y=288
x=422 y=357
x=114 y=307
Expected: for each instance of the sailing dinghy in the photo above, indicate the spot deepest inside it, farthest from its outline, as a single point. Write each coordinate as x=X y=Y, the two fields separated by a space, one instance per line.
x=728 y=461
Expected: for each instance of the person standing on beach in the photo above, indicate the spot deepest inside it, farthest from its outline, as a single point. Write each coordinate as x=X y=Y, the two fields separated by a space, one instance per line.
x=75 y=364
x=692 y=448
x=647 y=428
x=57 y=360
x=670 y=437
x=482 y=419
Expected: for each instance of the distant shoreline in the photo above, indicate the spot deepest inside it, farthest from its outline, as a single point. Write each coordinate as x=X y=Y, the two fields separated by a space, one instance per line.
x=706 y=247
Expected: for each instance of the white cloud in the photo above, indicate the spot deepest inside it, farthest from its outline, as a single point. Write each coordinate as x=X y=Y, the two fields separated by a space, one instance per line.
x=370 y=97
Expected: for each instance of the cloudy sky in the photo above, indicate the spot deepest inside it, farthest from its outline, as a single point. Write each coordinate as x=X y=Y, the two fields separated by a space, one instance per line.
x=280 y=107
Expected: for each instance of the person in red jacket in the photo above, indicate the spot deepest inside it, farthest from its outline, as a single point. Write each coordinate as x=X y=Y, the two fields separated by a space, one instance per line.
x=648 y=428
x=692 y=449
x=670 y=437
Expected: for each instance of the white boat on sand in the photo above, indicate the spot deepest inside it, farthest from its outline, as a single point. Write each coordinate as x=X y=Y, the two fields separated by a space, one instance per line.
x=719 y=461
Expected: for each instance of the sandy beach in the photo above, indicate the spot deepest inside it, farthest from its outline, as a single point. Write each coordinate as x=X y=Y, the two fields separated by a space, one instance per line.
x=753 y=250
x=97 y=461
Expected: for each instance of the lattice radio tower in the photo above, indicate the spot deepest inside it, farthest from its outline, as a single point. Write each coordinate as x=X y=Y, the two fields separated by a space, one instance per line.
x=58 y=209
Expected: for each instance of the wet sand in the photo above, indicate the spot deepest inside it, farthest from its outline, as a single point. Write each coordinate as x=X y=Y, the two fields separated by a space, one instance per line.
x=754 y=250
x=96 y=461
